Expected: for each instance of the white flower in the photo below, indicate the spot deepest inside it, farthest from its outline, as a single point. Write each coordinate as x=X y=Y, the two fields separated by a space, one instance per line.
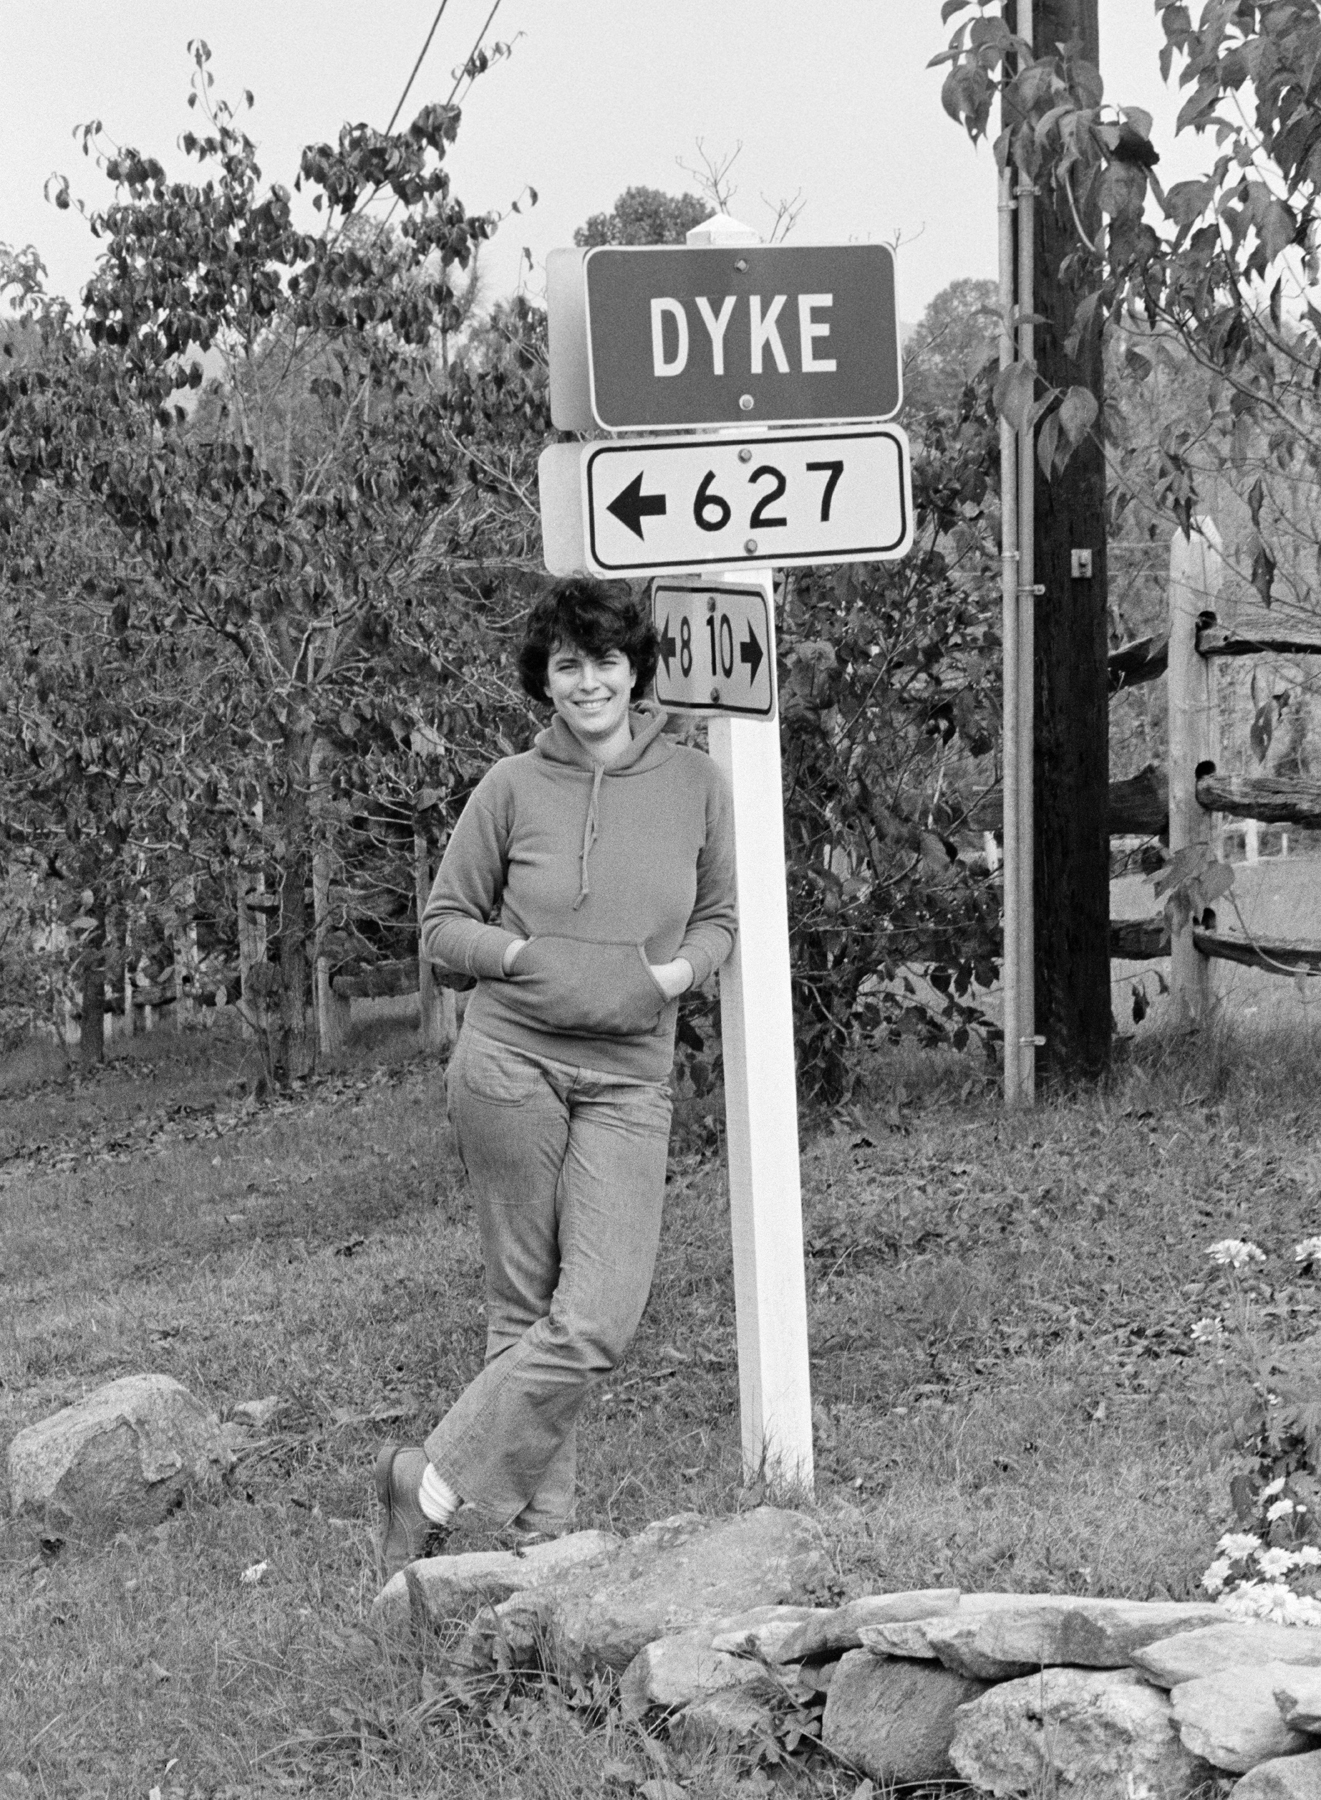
x=1236 y=1253
x=1275 y=1564
x=1238 y=1545
x=1280 y=1509
x=1216 y=1576
x=1309 y=1251
x=1206 y=1329
x=1273 y=1601
x=1273 y=1487
x=1309 y=1556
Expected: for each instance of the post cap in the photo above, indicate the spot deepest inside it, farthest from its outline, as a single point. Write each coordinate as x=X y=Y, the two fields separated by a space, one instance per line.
x=721 y=229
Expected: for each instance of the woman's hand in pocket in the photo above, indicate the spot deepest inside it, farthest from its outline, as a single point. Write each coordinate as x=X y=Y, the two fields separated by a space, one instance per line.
x=672 y=978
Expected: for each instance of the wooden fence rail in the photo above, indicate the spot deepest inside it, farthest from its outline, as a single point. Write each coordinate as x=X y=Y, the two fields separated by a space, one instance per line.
x=1180 y=804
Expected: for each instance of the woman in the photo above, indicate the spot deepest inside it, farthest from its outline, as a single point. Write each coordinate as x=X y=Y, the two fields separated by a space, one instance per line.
x=588 y=883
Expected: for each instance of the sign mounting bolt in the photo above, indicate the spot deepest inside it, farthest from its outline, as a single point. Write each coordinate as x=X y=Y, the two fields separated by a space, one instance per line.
x=741 y=265
x=746 y=402
x=751 y=546
x=715 y=694
x=745 y=455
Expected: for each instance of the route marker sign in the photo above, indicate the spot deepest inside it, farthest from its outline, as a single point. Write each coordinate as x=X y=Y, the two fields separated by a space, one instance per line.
x=646 y=338
x=717 y=649
x=648 y=506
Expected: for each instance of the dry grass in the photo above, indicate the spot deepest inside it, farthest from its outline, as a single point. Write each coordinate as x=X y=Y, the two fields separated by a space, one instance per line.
x=1007 y=1394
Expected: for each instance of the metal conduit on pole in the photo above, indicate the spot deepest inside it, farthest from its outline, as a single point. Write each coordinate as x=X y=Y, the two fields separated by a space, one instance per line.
x=1026 y=1024
x=1010 y=972
x=1017 y=524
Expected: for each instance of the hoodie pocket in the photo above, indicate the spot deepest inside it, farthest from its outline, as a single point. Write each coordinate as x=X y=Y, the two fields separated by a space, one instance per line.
x=586 y=989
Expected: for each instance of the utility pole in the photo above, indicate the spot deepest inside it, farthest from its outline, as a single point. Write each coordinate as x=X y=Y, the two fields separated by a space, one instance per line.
x=1071 y=760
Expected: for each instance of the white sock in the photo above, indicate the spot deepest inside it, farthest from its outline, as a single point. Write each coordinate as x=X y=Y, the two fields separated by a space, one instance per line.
x=437 y=1498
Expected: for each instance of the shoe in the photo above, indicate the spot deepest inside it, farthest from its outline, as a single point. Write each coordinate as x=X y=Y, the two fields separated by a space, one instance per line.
x=406 y=1531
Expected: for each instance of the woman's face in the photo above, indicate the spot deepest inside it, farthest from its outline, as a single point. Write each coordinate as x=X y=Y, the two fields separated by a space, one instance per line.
x=590 y=693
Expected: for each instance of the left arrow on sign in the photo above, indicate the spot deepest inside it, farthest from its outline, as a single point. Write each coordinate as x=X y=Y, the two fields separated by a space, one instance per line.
x=632 y=506
x=667 y=645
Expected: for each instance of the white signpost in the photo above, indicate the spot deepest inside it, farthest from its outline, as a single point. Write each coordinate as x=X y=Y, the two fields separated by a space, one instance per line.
x=726 y=506
x=634 y=505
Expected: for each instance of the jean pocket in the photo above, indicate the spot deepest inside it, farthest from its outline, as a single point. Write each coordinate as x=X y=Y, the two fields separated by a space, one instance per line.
x=587 y=989
x=496 y=1074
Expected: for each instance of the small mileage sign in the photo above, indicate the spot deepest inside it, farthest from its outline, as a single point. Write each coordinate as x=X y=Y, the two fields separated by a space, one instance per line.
x=717 y=651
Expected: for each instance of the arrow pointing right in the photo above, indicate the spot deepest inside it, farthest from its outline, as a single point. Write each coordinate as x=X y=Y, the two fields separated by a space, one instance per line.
x=751 y=652
x=667 y=645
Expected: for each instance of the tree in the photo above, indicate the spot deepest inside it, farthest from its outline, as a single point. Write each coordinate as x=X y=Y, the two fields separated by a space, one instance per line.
x=644 y=215
x=953 y=341
x=297 y=551
x=1225 y=270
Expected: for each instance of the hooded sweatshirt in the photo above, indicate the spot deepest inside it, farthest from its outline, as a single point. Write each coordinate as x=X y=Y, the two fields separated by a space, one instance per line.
x=603 y=871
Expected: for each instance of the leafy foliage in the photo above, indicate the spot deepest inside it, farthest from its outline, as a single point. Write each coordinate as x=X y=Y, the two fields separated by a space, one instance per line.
x=953 y=341
x=644 y=215
x=889 y=700
x=298 y=518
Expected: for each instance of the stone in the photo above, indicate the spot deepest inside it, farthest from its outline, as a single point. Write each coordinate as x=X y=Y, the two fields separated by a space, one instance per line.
x=1045 y=1631
x=125 y=1456
x=258 y=1414
x=732 y=1716
x=908 y=1637
x=448 y=1584
x=894 y=1719
x=1104 y=1731
x=674 y=1575
x=1298 y=1696
x=763 y=1631
x=1247 y=1642
x=831 y=1629
x=1231 y=1720
x=688 y=1665
x=1283 y=1778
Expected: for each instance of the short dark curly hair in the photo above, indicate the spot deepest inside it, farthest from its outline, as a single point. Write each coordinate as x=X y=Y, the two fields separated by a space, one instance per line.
x=594 y=618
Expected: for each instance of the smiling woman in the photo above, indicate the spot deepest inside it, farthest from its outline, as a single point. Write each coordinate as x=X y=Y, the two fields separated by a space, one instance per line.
x=588 y=883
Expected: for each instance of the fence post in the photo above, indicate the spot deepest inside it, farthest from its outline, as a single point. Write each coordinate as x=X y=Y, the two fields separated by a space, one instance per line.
x=1196 y=572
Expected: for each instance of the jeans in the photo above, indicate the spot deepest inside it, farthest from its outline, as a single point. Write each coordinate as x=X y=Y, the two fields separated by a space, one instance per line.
x=567 y=1168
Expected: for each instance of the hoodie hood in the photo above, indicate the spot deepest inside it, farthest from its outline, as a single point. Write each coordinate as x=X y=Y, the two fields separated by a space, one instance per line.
x=646 y=722
x=648 y=750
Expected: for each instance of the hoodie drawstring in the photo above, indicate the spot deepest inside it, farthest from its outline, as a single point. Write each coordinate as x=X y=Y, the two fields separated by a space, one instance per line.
x=589 y=833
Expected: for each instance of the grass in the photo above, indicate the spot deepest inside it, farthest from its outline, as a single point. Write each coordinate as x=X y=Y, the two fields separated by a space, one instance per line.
x=1006 y=1391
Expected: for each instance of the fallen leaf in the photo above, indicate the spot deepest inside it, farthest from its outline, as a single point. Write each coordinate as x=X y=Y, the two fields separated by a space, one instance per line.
x=252 y=1575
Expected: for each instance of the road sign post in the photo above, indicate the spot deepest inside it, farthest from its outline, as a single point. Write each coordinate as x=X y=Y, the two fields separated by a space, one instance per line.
x=774 y=347
x=761 y=1115
x=761 y=1090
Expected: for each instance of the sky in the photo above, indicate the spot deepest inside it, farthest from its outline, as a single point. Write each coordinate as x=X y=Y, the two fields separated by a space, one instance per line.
x=830 y=103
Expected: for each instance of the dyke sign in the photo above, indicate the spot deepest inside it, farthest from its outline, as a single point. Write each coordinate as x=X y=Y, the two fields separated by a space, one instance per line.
x=682 y=336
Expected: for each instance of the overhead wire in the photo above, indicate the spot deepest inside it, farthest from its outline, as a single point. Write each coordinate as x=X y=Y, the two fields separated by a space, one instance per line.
x=416 y=66
x=464 y=69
